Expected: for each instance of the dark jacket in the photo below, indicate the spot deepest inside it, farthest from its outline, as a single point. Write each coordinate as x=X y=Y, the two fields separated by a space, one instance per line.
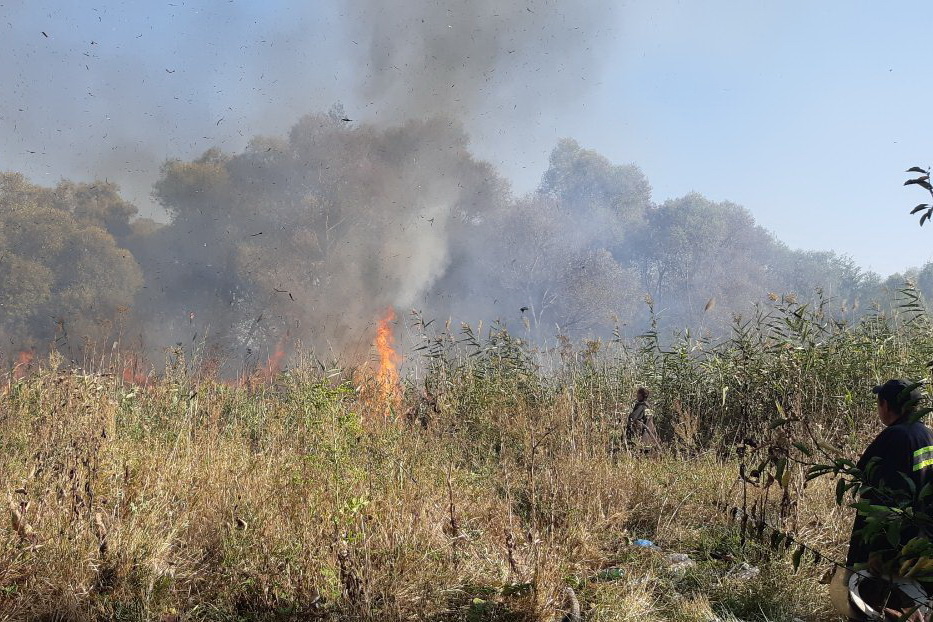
x=903 y=448
x=640 y=427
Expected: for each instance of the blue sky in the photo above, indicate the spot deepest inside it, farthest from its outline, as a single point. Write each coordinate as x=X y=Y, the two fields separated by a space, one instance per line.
x=805 y=113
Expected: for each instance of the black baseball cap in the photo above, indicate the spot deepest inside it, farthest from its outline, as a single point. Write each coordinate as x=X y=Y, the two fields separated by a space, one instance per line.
x=895 y=392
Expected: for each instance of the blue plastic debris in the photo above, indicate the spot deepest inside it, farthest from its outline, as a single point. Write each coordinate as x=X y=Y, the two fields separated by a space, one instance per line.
x=647 y=544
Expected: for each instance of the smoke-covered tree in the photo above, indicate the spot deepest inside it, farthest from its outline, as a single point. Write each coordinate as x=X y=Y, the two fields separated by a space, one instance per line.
x=693 y=250
x=607 y=201
x=925 y=281
x=837 y=277
x=583 y=180
x=597 y=294
x=98 y=204
x=314 y=234
x=61 y=271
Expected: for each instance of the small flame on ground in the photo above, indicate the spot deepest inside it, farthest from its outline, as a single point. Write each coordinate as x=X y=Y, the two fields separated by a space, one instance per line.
x=134 y=370
x=23 y=362
x=274 y=362
x=389 y=359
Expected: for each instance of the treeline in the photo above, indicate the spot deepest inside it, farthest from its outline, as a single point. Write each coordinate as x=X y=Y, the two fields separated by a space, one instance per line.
x=309 y=237
x=65 y=264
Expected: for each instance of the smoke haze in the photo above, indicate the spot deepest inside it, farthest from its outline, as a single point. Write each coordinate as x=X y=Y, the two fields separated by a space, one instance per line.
x=287 y=218
x=509 y=60
x=112 y=89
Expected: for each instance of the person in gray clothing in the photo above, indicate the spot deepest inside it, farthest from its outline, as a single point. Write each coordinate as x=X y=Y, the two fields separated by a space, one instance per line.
x=640 y=428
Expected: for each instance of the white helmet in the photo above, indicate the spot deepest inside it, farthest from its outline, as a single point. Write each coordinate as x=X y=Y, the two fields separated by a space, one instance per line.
x=846 y=594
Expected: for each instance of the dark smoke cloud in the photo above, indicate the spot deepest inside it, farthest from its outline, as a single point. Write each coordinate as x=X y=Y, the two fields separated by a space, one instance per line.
x=513 y=59
x=113 y=88
x=512 y=72
x=312 y=236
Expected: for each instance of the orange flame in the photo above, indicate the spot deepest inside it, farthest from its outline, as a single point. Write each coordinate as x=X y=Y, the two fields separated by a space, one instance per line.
x=23 y=363
x=265 y=373
x=274 y=362
x=134 y=370
x=389 y=359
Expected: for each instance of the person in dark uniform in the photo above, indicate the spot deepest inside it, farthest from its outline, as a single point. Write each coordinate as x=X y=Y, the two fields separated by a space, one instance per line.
x=902 y=451
x=896 y=466
x=640 y=427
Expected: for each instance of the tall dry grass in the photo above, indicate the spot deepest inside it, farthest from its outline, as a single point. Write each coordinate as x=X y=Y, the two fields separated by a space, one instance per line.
x=486 y=493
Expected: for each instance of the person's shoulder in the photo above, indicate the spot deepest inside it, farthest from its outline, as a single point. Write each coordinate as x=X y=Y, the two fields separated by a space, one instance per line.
x=894 y=433
x=897 y=430
x=889 y=438
x=916 y=433
x=919 y=430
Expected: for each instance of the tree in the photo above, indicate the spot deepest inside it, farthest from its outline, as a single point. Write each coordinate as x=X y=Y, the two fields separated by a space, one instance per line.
x=606 y=201
x=693 y=250
x=597 y=294
x=583 y=180
x=62 y=270
x=838 y=277
x=925 y=280
x=98 y=204
x=314 y=234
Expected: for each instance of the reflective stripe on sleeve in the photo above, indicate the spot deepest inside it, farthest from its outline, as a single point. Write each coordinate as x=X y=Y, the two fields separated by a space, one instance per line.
x=923 y=457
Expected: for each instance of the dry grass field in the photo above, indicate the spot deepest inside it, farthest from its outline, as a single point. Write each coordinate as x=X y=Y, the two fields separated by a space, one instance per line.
x=481 y=491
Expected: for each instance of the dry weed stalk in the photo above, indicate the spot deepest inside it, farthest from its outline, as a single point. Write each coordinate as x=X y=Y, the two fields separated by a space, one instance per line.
x=19 y=523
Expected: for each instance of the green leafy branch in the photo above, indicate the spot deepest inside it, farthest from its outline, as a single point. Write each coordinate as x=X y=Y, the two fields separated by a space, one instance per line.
x=924 y=182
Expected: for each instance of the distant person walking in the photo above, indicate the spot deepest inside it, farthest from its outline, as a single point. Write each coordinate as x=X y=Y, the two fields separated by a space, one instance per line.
x=640 y=428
